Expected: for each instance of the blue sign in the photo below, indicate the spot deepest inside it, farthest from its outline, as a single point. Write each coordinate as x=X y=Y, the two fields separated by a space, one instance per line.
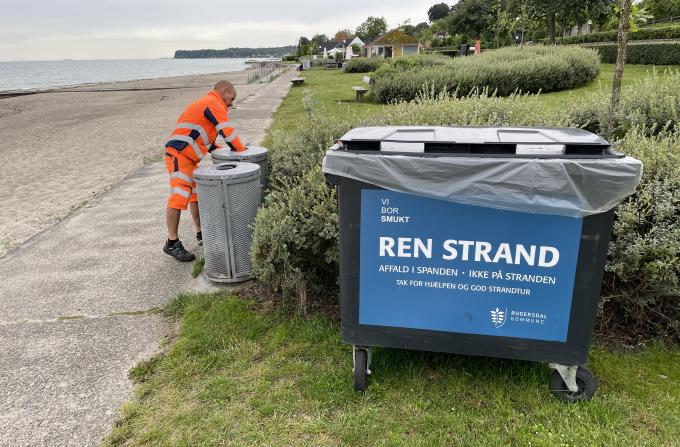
x=443 y=266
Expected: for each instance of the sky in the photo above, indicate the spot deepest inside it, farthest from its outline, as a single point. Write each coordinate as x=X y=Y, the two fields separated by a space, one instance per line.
x=131 y=29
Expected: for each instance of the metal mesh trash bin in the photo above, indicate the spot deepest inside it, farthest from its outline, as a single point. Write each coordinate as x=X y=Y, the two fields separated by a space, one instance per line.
x=252 y=154
x=228 y=199
x=476 y=241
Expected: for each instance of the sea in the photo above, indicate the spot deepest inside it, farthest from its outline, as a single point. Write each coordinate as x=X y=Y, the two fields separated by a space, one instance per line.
x=28 y=75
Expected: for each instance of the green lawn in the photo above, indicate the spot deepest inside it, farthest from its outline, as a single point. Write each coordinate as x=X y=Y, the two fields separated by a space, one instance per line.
x=236 y=376
x=327 y=90
x=330 y=91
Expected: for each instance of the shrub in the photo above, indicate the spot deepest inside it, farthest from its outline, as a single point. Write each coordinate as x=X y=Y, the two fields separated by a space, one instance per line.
x=669 y=32
x=652 y=104
x=294 y=246
x=641 y=293
x=505 y=71
x=364 y=64
x=646 y=53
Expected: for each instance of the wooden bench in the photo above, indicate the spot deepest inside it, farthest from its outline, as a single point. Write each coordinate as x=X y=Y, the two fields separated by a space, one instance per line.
x=297 y=81
x=360 y=91
x=333 y=64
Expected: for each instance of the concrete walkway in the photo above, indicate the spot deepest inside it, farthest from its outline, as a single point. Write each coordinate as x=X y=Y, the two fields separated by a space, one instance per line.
x=77 y=301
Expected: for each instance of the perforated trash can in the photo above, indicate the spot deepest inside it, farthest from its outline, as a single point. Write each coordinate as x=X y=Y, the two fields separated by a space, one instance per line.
x=252 y=154
x=476 y=241
x=228 y=198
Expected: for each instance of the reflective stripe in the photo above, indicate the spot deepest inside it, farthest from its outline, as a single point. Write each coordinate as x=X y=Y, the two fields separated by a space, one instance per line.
x=221 y=126
x=230 y=138
x=191 y=141
x=181 y=192
x=181 y=175
x=198 y=128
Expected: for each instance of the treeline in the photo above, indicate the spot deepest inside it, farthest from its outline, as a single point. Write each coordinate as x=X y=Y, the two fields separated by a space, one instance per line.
x=234 y=52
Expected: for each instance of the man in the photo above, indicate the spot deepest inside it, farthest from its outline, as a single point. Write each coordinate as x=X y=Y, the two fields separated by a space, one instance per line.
x=194 y=136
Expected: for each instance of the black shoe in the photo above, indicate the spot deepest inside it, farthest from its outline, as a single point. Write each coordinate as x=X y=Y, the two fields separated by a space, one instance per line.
x=199 y=238
x=178 y=252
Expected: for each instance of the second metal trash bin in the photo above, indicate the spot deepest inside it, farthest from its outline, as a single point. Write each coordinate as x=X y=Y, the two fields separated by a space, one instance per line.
x=477 y=241
x=252 y=154
x=228 y=199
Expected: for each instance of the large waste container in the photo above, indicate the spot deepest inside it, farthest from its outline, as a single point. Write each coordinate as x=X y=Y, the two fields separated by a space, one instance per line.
x=477 y=241
x=252 y=154
x=228 y=197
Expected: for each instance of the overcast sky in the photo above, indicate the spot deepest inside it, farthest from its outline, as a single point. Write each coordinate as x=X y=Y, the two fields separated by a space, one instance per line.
x=119 y=29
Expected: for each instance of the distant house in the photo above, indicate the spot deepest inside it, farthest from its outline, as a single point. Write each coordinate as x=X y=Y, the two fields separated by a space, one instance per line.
x=356 y=41
x=393 y=44
x=331 y=45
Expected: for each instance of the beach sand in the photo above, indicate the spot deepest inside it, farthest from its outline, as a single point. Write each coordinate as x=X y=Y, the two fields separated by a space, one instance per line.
x=61 y=149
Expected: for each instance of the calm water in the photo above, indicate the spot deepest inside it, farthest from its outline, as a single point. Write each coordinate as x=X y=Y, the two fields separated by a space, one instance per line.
x=42 y=74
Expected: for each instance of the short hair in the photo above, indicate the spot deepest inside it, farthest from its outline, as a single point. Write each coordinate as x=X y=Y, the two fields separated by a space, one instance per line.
x=221 y=85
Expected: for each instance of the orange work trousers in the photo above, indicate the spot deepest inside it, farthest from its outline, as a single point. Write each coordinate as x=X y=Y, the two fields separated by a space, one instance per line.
x=182 y=184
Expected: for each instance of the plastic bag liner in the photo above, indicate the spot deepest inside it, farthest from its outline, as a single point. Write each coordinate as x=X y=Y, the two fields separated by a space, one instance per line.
x=561 y=186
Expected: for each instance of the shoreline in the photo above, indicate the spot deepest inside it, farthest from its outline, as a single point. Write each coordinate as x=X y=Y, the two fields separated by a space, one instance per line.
x=73 y=88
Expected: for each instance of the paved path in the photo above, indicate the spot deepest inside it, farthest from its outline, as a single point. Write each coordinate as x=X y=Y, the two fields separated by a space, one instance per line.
x=76 y=301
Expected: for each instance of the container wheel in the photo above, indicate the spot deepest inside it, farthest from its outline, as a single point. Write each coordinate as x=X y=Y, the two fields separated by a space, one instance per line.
x=360 y=370
x=585 y=380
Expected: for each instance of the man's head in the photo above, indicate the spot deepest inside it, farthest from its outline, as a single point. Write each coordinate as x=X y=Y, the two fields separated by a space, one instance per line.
x=226 y=91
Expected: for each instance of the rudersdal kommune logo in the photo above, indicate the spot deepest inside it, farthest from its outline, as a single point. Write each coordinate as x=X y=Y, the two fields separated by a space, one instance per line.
x=498 y=317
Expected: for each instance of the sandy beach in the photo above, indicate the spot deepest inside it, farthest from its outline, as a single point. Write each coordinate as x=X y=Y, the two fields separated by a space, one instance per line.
x=61 y=149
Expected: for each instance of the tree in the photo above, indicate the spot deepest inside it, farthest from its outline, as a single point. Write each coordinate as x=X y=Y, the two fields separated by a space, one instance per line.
x=409 y=29
x=318 y=39
x=661 y=9
x=344 y=34
x=304 y=46
x=624 y=25
x=422 y=26
x=371 y=28
x=438 y=11
x=471 y=17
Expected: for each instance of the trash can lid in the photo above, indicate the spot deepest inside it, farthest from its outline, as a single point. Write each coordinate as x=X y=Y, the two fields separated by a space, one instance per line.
x=252 y=153
x=566 y=183
x=468 y=141
x=229 y=170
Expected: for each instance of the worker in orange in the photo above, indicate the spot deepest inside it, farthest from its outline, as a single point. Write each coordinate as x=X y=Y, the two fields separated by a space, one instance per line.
x=194 y=136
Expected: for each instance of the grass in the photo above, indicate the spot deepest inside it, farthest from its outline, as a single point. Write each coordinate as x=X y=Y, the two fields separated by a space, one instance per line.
x=198 y=267
x=331 y=91
x=236 y=376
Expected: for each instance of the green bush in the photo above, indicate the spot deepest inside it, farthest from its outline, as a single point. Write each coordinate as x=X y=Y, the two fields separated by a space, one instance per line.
x=668 y=32
x=504 y=71
x=641 y=289
x=646 y=53
x=652 y=104
x=364 y=64
x=294 y=246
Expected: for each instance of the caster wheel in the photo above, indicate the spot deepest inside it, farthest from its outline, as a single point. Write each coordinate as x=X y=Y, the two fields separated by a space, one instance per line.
x=587 y=385
x=360 y=370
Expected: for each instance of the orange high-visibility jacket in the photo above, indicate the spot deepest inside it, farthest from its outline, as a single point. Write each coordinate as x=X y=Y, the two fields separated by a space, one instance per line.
x=198 y=127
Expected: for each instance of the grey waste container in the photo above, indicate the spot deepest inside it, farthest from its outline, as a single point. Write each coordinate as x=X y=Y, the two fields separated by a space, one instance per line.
x=228 y=198
x=476 y=241
x=252 y=154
